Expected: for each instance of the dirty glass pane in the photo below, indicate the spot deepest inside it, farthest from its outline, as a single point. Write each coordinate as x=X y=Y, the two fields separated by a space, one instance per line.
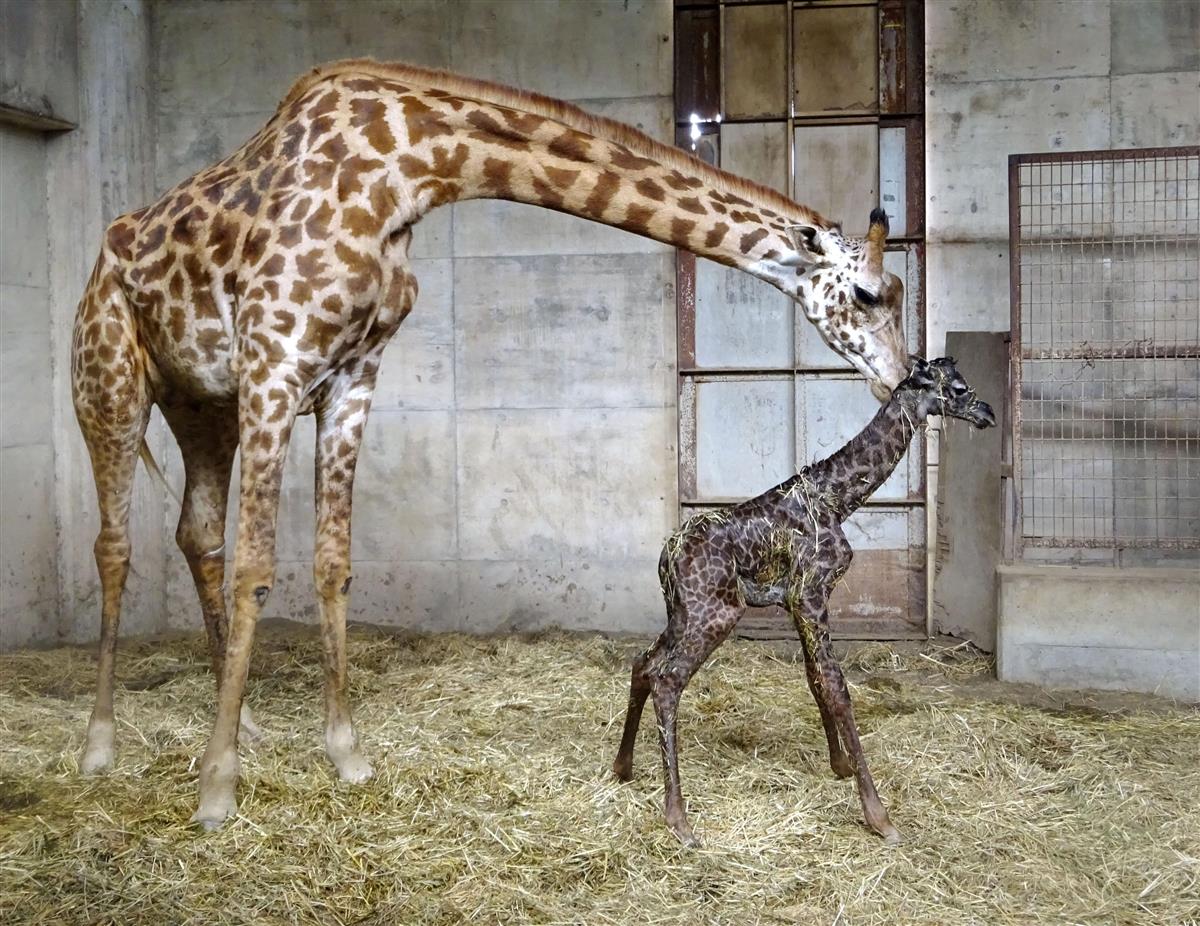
x=740 y=320
x=744 y=436
x=893 y=179
x=837 y=172
x=886 y=581
x=755 y=61
x=757 y=151
x=836 y=61
x=830 y=411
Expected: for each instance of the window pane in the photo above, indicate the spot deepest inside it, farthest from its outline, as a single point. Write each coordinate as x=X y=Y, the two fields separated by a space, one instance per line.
x=740 y=320
x=744 y=436
x=757 y=151
x=755 y=52
x=837 y=172
x=836 y=60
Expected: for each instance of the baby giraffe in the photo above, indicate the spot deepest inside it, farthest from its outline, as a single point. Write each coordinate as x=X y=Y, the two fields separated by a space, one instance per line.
x=784 y=547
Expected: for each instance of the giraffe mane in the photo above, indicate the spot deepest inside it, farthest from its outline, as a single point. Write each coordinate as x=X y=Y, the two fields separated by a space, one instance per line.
x=579 y=119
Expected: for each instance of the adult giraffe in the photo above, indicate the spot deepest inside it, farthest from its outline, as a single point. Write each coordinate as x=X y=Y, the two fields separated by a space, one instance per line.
x=267 y=285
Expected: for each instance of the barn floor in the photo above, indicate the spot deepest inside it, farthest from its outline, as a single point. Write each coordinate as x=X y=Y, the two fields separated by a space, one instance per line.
x=493 y=802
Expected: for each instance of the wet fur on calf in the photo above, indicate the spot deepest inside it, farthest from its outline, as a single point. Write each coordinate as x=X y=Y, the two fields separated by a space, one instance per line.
x=784 y=547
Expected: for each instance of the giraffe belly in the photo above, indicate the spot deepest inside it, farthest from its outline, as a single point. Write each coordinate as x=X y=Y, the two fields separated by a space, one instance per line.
x=195 y=360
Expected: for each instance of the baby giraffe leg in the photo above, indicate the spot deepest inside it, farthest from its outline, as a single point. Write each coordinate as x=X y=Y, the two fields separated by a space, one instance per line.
x=640 y=686
x=833 y=682
x=837 y=758
x=705 y=627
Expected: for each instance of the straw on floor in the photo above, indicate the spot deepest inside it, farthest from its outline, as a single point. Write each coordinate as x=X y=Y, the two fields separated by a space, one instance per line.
x=494 y=804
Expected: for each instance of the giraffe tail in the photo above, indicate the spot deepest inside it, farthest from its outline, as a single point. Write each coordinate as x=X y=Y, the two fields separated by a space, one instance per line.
x=156 y=472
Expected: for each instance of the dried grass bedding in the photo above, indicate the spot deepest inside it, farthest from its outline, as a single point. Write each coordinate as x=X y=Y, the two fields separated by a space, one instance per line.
x=493 y=801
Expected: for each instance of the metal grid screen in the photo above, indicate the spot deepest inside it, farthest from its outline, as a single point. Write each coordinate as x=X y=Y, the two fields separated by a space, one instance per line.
x=1106 y=348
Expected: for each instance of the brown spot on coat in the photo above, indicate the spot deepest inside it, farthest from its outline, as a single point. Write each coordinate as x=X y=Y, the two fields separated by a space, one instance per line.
x=371 y=116
x=650 y=190
x=602 y=193
x=422 y=120
x=715 y=235
x=750 y=239
x=319 y=335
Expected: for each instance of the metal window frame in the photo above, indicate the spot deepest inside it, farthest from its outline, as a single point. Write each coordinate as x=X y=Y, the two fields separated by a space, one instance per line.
x=900 y=104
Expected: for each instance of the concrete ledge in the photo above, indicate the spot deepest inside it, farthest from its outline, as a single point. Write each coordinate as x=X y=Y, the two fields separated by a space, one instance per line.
x=1090 y=627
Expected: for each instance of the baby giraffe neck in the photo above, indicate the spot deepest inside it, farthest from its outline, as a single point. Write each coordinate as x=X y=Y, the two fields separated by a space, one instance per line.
x=853 y=473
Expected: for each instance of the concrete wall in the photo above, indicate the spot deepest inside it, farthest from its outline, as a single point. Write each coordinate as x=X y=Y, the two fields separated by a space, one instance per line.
x=28 y=575
x=82 y=69
x=519 y=464
x=1128 y=629
x=1013 y=76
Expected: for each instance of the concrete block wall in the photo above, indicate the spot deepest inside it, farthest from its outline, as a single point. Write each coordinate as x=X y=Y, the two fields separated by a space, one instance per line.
x=1128 y=629
x=28 y=573
x=519 y=463
x=1012 y=76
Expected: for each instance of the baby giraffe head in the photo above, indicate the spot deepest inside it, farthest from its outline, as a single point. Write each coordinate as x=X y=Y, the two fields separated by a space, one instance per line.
x=935 y=387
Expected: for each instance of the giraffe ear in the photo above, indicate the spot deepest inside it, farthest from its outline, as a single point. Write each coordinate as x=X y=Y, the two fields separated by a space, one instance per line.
x=808 y=251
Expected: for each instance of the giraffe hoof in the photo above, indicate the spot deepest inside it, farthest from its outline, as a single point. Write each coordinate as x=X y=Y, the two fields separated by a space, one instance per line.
x=215 y=809
x=98 y=753
x=211 y=818
x=683 y=832
x=842 y=769
x=892 y=838
x=354 y=768
x=623 y=770
x=97 y=758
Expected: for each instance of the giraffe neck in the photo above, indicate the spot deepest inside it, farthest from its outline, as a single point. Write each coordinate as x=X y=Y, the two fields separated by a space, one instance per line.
x=462 y=148
x=853 y=473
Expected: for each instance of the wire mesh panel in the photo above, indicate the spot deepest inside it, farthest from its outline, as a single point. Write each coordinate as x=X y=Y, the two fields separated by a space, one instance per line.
x=1106 y=348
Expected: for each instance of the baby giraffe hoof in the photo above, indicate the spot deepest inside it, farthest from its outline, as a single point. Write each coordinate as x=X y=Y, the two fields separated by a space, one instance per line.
x=683 y=832
x=842 y=767
x=211 y=816
x=891 y=835
x=623 y=769
x=218 y=790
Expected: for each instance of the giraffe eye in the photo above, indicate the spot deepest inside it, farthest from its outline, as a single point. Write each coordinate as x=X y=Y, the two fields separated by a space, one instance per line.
x=864 y=297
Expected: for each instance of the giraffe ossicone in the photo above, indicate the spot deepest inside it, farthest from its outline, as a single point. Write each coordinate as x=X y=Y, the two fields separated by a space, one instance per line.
x=784 y=547
x=266 y=287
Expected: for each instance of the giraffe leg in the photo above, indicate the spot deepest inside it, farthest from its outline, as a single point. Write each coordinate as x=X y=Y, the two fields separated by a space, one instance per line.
x=705 y=627
x=837 y=757
x=266 y=413
x=113 y=420
x=834 y=684
x=208 y=441
x=340 y=425
x=640 y=686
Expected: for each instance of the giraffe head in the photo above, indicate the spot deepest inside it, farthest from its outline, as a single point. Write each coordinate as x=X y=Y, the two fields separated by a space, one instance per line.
x=857 y=306
x=935 y=387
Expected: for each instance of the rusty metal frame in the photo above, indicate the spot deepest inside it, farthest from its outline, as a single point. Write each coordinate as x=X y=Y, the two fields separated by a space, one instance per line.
x=1016 y=539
